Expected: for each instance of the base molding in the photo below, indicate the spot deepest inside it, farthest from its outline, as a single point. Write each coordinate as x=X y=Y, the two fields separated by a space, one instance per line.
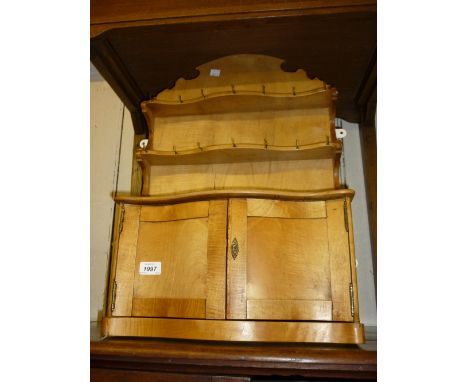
x=231 y=330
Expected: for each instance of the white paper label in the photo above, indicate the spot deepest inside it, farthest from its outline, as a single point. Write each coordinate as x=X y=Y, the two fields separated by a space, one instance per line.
x=215 y=72
x=150 y=268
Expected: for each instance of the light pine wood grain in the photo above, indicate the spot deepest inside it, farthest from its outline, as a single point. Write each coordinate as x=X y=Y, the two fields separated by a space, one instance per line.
x=294 y=310
x=285 y=209
x=216 y=260
x=174 y=212
x=340 y=265
x=177 y=179
x=279 y=128
x=236 y=267
x=169 y=307
x=181 y=247
x=227 y=330
x=125 y=265
x=303 y=175
x=287 y=259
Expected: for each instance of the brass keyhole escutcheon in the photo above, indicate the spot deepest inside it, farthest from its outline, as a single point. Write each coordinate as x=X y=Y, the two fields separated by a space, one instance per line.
x=234 y=248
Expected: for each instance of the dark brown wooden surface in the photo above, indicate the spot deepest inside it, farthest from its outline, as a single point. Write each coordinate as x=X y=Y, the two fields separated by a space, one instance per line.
x=334 y=41
x=230 y=359
x=116 y=375
x=106 y=13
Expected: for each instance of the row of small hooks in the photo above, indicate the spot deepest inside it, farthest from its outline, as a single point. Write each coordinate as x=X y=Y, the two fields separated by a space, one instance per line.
x=265 y=144
x=233 y=89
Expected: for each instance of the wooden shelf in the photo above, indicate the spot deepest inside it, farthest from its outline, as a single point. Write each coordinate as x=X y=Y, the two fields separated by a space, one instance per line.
x=223 y=194
x=241 y=152
x=242 y=101
x=235 y=330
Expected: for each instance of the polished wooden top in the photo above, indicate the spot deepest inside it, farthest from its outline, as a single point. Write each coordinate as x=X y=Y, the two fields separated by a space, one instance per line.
x=248 y=359
x=108 y=14
x=231 y=358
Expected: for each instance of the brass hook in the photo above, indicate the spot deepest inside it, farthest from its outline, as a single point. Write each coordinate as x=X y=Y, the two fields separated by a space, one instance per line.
x=266 y=143
x=233 y=89
x=174 y=148
x=203 y=94
x=263 y=89
x=297 y=145
x=233 y=143
x=327 y=140
x=180 y=99
x=198 y=144
x=294 y=90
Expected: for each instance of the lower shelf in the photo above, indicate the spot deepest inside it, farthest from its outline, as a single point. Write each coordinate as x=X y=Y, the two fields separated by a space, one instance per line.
x=225 y=330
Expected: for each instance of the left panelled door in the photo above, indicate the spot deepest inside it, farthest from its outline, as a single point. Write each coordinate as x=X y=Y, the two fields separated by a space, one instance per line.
x=171 y=261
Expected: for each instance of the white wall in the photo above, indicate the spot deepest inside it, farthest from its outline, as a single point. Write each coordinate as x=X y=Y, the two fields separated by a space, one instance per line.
x=354 y=174
x=111 y=165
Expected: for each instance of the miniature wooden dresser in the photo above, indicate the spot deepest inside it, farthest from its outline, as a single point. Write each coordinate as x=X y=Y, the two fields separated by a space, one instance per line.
x=243 y=231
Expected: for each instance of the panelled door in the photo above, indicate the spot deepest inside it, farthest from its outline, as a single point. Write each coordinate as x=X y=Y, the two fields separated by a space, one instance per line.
x=171 y=261
x=288 y=260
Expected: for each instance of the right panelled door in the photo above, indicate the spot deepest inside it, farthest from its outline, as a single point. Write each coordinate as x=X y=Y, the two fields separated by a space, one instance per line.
x=288 y=260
